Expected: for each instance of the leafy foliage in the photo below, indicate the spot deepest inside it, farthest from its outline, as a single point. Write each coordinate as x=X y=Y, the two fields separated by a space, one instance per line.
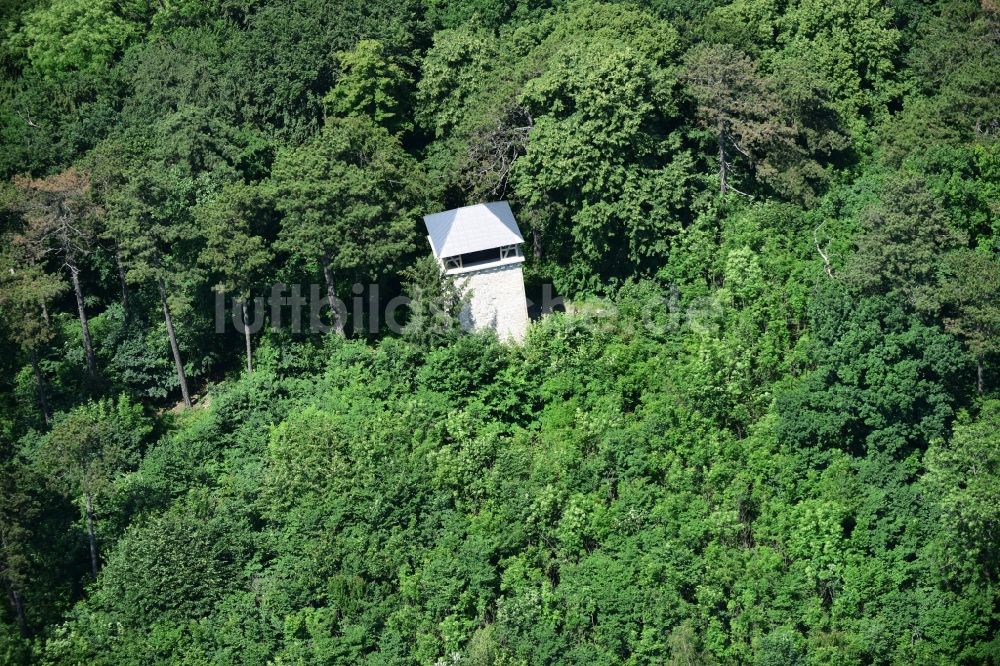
x=762 y=427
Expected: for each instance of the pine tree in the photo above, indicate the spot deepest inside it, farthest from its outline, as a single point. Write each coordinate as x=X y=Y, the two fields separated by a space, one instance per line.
x=349 y=201
x=234 y=250
x=60 y=220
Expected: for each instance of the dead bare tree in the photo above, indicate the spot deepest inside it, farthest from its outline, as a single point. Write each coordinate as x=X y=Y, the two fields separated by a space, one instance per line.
x=493 y=151
x=823 y=252
x=28 y=121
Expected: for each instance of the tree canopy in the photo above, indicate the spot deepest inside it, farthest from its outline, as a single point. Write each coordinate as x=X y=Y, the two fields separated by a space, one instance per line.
x=753 y=421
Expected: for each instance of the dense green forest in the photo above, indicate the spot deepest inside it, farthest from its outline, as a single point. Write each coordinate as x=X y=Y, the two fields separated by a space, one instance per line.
x=765 y=430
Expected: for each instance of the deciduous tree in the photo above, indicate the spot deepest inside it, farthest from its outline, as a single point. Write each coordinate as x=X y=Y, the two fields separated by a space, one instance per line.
x=86 y=451
x=17 y=511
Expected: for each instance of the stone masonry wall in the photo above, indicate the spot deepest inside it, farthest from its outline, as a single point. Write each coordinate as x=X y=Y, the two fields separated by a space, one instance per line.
x=497 y=301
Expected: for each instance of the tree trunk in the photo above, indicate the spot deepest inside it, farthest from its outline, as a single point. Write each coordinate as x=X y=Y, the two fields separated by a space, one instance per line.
x=88 y=345
x=15 y=595
x=40 y=385
x=331 y=296
x=22 y=623
x=173 y=344
x=980 y=383
x=536 y=242
x=121 y=276
x=246 y=334
x=91 y=536
x=723 y=170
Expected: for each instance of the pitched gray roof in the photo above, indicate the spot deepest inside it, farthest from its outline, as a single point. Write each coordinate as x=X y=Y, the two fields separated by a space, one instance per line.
x=472 y=228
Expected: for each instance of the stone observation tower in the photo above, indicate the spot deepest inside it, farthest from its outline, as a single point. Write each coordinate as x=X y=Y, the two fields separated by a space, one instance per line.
x=481 y=246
